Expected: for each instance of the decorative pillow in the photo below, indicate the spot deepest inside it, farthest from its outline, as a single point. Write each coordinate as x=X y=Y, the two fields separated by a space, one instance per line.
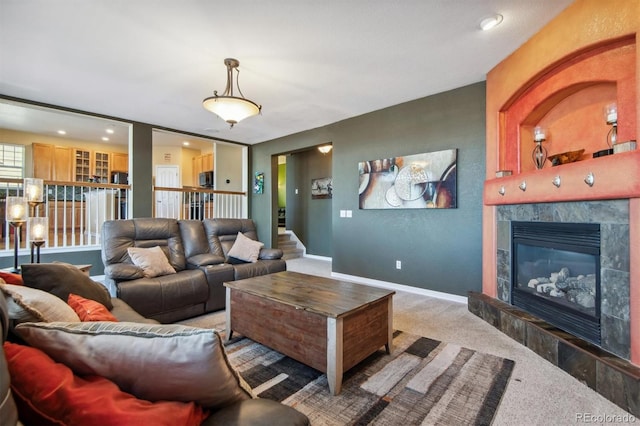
x=61 y=279
x=51 y=392
x=11 y=278
x=153 y=362
x=245 y=248
x=89 y=310
x=30 y=304
x=152 y=261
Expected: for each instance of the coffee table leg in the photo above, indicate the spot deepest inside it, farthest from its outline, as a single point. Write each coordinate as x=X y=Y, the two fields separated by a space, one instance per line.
x=389 y=345
x=335 y=351
x=227 y=310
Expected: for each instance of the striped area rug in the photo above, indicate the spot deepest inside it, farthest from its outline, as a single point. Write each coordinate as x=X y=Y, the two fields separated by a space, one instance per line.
x=423 y=381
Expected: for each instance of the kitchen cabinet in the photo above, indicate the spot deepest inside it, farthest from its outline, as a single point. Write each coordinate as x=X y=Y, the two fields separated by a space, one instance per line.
x=90 y=164
x=65 y=215
x=119 y=162
x=51 y=162
x=202 y=163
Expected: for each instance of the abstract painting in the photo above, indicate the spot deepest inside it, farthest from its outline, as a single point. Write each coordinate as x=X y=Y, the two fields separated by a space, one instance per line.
x=419 y=181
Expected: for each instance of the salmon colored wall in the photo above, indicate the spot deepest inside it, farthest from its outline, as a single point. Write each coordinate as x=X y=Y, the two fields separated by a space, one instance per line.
x=582 y=27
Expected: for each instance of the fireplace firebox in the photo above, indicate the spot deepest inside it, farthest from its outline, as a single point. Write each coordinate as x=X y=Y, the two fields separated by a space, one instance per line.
x=556 y=274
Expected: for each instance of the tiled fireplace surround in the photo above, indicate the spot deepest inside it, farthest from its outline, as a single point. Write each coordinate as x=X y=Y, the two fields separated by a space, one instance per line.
x=560 y=79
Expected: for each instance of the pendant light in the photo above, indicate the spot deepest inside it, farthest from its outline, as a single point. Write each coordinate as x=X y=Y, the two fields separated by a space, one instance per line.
x=230 y=108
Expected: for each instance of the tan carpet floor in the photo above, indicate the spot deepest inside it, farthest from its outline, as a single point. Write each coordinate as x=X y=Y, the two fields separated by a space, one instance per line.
x=538 y=392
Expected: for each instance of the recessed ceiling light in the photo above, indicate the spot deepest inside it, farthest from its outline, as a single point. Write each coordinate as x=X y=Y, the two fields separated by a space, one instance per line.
x=106 y=139
x=490 y=22
x=62 y=132
x=185 y=143
x=110 y=131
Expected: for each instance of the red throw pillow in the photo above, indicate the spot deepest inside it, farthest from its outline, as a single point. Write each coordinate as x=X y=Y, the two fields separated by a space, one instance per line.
x=52 y=393
x=11 y=278
x=89 y=310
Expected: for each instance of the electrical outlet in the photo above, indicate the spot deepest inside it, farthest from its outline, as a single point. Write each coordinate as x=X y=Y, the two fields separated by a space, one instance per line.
x=398 y=264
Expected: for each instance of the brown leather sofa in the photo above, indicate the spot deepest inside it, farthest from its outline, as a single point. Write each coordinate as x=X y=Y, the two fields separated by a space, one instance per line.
x=197 y=250
x=248 y=412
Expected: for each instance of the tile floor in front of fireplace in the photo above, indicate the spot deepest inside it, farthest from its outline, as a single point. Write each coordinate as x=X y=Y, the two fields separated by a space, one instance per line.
x=538 y=393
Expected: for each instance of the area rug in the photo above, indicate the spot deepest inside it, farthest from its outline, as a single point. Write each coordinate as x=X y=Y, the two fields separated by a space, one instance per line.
x=424 y=381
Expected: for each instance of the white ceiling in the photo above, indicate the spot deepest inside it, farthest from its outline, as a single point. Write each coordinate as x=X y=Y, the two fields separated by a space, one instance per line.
x=308 y=63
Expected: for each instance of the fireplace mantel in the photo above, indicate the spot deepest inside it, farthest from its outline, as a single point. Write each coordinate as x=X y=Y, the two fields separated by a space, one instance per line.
x=615 y=176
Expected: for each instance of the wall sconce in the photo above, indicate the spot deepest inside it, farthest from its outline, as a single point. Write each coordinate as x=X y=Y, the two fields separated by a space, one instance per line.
x=34 y=192
x=325 y=149
x=539 y=153
x=611 y=115
x=38 y=231
x=16 y=215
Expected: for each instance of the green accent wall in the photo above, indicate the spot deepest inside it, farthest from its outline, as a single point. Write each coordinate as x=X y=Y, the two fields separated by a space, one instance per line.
x=440 y=249
x=282 y=185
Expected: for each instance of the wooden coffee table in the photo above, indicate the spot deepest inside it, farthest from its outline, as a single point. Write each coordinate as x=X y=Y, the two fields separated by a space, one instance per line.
x=327 y=324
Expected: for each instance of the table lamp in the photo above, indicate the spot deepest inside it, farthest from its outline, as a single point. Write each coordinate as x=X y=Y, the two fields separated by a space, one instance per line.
x=16 y=215
x=38 y=231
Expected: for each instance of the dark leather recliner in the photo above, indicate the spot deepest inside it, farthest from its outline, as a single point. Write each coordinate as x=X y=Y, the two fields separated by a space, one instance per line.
x=197 y=250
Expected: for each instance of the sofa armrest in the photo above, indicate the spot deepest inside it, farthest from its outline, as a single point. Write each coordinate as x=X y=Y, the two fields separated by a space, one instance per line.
x=257 y=412
x=123 y=271
x=204 y=259
x=270 y=253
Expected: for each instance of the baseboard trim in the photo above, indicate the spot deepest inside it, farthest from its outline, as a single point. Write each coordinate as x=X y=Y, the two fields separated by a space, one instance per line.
x=401 y=287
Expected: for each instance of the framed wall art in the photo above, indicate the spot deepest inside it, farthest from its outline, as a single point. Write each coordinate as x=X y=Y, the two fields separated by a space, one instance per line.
x=321 y=188
x=409 y=182
x=258 y=183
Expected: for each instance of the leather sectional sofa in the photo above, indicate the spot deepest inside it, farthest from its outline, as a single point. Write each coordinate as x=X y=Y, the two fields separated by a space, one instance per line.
x=196 y=250
x=41 y=389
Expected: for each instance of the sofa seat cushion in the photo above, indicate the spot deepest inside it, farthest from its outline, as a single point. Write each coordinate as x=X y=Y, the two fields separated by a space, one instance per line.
x=126 y=313
x=60 y=279
x=49 y=393
x=153 y=362
x=205 y=259
x=262 y=267
x=257 y=412
x=152 y=296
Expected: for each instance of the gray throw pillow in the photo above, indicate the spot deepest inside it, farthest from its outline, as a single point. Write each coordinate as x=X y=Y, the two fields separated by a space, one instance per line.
x=60 y=279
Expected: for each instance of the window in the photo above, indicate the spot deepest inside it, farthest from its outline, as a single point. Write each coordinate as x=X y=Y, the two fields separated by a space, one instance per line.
x=11 y=161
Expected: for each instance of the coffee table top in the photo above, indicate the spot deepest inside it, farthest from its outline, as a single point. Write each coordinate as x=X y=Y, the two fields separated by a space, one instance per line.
x=325 y=296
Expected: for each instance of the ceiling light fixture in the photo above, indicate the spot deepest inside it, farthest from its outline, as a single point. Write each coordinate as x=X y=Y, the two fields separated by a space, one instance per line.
x=110 y=131
x=491 y=22
x=62 y=132
x=325 y=149
x=231 y=109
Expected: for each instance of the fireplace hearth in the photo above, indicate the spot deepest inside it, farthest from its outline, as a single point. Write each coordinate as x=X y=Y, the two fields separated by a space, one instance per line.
x=556 y=275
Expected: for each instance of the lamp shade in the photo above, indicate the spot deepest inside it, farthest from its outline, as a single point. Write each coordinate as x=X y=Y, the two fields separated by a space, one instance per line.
x=231 y=108
x=33 y=190
x=16 y=209
x=38 y=228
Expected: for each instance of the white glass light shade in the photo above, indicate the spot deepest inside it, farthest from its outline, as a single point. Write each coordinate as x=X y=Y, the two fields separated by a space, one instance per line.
x=611 y=113
x=539 y=134
x=325 y=148
x=16 y=209
x=33 y=190
x=38 y=228
x=231 y=108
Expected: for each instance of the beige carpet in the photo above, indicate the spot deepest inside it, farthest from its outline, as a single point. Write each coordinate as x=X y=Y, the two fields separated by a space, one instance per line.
x=538 y=393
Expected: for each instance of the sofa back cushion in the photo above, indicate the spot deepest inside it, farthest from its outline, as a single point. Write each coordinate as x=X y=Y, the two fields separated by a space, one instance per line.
x=222 y=233
x=119 y=235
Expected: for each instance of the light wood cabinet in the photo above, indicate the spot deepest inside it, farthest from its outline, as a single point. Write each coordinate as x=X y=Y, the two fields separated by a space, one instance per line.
x=82 y=162
x=52 y=162
x=119 y=162
x=201 y=163
x=102 y=166
x=91 y=163
x=65 y=214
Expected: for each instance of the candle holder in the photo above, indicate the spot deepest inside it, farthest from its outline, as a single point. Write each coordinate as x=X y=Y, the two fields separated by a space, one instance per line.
x=539 y=153
x=16 y=215
x=611 y=115
x=38 y=230
x=34 y=193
